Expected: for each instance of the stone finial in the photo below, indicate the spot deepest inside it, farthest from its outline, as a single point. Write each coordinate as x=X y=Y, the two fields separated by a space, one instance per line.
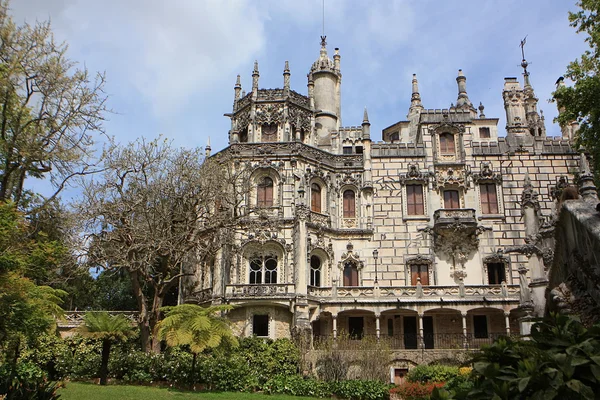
x=481 y=108
x=207 y=149
x=286 y=76
x=336 y=59
x=529 y=197
x=463 y=99
x=585 y=181
x=366 y=117
x=237 y=88
x=415 y=98
x=255 y=76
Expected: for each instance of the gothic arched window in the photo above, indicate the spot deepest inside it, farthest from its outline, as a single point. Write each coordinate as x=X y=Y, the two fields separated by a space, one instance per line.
x=264 y=192
x=350 y=275
x=315 y=198
x=269 y=133
x=447 y=146
x=315 y=271
x=263 y=270
x=349 y=204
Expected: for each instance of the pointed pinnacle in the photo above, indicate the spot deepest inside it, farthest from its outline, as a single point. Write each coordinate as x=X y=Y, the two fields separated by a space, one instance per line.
x=286 y=69
x=366 y=117
x=238 y=82
x=255 y=67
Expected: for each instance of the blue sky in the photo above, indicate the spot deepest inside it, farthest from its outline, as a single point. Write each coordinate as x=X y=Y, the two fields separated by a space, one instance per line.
x=171 y=65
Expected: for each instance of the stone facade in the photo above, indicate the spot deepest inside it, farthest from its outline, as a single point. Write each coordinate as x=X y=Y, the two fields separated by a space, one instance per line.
x=441 y=229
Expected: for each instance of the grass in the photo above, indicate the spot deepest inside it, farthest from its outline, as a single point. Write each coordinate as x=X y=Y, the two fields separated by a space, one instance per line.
x=88 y=391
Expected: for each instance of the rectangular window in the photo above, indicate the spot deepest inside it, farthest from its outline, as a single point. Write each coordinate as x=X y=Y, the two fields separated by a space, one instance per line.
x=484 y=133
x=260 y=325
x=414 y=200
x=496 y=274
x=358 y=149
x=451 y=199
x=419 y=273
x=489 y=199
x=349 y=204
x=480 y=327
x=347 y=149
x=350 y=275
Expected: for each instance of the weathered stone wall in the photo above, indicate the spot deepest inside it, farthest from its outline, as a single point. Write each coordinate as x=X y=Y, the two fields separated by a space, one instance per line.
x=574 y=282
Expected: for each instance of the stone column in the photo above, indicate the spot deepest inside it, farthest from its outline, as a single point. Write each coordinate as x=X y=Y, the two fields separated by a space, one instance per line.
x=301 y=318
x=334 y=325
x=464 y=329
x=421 y=341
x=378 y=325
x=507 y=323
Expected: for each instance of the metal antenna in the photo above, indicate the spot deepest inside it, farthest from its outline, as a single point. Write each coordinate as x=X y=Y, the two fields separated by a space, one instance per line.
x=524 y=63
x=323 y=17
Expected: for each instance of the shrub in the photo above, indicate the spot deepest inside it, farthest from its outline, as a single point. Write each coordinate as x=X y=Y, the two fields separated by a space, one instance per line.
x=295 y=385
x=26 y=381
x=432 y=373
x=416 y=390
x=361 y=390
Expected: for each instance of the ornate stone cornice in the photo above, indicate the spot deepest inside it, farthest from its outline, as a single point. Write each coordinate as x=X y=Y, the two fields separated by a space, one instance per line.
x=414 y=175
x=350 y=257
x=455 y=176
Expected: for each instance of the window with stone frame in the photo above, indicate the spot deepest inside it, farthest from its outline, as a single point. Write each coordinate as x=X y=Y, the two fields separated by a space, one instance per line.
x=349 y=206
x=447 y=145
x=264 y=192
x=395 y=137
x=489 y=198
x=496 y=273
x=263 y=270
x=260 y=325
x=484 y=133
x=419 y=273
x=315 y=271
x=350 y=274
x=415 y=204
x=315 y=197
x=347 y=150
x=451 y=199
x=480 y=326
x=269 y=133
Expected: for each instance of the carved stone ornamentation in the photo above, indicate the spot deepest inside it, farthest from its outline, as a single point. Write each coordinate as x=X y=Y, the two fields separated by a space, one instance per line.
x=296 y=114
x=496 y=258
x=455 y=176
x=269 y=113
x=487 y=174
x=414 y=175
x=350 y=256
x=561 y=183
x=529 y=197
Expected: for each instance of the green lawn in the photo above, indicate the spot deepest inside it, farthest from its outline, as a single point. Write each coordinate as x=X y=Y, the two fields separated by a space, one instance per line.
x=87 y=391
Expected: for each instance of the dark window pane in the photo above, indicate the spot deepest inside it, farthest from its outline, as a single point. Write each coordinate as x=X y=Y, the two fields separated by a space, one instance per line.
x=347 y=150
x=480 y=326
x=451 y=199
x=496 y=273
x=315 y=198
x=484 y=133
x=350 y=275
x=260 y=325
x=489 y=199
x=447 y=144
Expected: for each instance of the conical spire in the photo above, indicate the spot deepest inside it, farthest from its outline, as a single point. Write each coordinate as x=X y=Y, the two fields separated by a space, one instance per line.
x=415 y=98
x=366 y=125
x=366 y=117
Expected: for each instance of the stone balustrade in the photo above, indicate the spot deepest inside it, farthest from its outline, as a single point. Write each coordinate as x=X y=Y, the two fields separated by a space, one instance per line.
x=73 y=319
x=265 y=290
x=445 y=217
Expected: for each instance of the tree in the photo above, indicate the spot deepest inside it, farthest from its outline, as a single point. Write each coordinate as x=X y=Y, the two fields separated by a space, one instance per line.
x=581 y=101
x=26 y=309
x=109 y=329
x=153 y=212
x=49 y=109
x=197 y=327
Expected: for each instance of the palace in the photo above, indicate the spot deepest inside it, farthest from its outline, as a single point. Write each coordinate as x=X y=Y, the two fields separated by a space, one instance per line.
x=437 y=234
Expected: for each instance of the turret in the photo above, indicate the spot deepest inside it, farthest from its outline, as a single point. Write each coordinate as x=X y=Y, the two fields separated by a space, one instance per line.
x=327 y=78
x=463 y=101
x=366 y=126
x=237 y=89
x=535 y=122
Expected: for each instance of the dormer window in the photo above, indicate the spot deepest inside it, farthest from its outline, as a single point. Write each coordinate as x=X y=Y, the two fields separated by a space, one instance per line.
x=395 y=137
x=269 y=133
x=447 y=146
